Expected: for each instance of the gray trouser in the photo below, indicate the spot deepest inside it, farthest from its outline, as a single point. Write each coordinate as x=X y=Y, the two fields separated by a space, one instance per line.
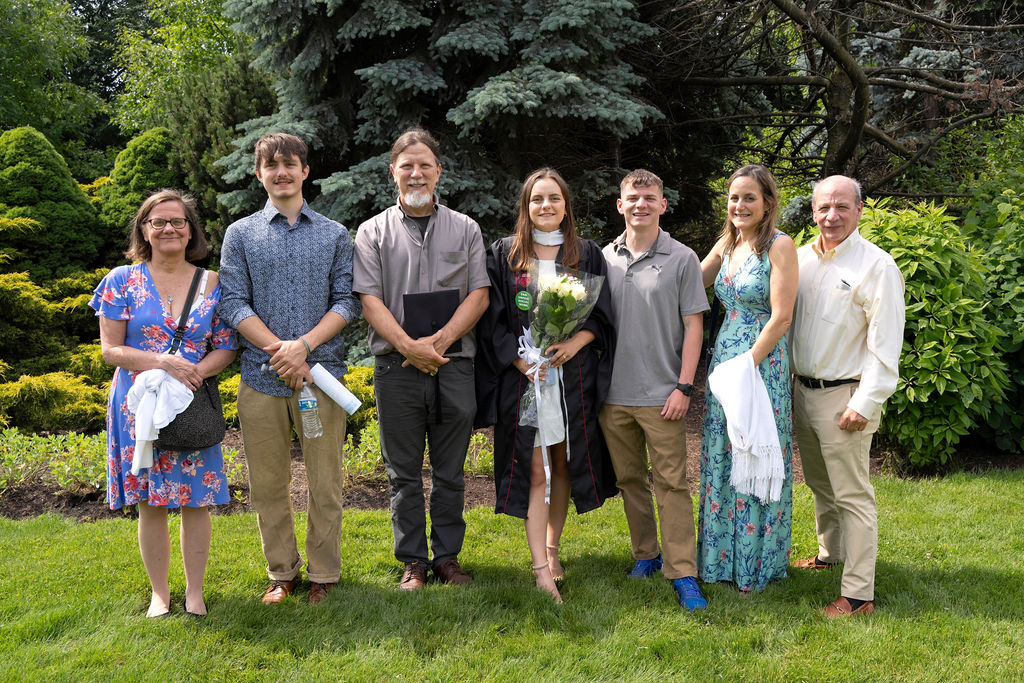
x=407 y=410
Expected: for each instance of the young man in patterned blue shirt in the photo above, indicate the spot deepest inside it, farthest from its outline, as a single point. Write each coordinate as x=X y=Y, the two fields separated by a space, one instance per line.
x=286 y=273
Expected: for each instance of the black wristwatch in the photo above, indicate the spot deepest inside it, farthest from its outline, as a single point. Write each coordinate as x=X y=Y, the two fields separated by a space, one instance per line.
x=686 y=389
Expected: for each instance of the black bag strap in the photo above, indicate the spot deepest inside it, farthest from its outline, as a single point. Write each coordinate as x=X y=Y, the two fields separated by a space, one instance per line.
x=180 y=332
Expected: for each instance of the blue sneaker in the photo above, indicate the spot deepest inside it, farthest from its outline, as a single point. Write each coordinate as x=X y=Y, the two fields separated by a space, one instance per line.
x=690 y=596
x=645 y=569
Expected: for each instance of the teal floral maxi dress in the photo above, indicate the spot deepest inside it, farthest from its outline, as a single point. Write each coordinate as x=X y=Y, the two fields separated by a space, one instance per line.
x=740 y=539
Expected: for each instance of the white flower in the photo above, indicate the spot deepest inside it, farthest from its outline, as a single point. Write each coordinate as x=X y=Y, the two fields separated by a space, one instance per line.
x=578 y=291
x=549 y=282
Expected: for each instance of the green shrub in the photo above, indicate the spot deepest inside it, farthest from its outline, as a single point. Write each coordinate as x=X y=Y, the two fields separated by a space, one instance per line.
x=69 y=297
x=53 y=402
x=229 y=398
x=12 y=230
x=35 y=183
x=996 y=221
x=234 y=468
x=142 y=166
x=951 y=370
x=27 y=320
x=359 y=381
x=363 y=460
x=480 y=457
x=87 y=361
x=78 y=462
x=23 y=458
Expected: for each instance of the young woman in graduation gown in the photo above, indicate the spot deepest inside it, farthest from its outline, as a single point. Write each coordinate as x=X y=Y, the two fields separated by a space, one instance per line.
x=545 y=235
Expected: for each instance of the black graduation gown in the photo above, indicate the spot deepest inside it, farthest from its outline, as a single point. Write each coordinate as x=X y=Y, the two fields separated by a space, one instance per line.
x=500 y=387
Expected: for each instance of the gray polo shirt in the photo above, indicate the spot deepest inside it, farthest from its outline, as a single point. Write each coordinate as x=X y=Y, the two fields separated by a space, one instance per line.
x=650 y=296
x=392 y=259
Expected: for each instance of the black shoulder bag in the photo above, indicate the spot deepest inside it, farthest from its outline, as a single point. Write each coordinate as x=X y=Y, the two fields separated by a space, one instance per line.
x=201 y=424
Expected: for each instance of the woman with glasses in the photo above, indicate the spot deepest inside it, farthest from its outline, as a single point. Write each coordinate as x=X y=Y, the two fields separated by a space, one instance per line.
x=139 y=307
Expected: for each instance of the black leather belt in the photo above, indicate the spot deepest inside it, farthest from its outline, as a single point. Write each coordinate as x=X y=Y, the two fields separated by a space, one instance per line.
x=812 y=383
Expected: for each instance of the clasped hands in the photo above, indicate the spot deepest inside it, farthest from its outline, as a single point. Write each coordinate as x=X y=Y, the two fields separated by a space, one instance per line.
x=426 y=354
x=182 y=370
x=288 y=358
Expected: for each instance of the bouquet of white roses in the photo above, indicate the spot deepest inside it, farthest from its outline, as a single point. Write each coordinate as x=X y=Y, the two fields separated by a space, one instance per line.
x=563 y=302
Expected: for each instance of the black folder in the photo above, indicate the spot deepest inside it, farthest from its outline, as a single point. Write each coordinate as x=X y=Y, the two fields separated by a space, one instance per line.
x=428 y=312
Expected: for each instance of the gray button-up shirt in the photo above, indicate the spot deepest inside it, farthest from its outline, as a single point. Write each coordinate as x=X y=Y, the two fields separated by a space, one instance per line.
x=289 y=276
x=392 y=259
x=650 y=296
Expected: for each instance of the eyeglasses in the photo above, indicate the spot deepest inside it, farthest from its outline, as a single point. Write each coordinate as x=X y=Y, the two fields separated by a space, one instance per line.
x=176 y=223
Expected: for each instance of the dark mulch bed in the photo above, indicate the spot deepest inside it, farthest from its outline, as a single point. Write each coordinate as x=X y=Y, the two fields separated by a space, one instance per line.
x=30 y=501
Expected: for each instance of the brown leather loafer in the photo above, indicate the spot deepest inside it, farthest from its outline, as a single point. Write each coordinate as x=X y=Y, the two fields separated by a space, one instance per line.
x=814 y=563
x=414 y=577
x=318 y=592
x=450 y=571
x=279 y=590
x=842 y=608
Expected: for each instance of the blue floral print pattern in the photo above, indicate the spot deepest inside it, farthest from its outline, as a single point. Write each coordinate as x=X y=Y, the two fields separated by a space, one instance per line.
x=192 y=479
x=739 y=539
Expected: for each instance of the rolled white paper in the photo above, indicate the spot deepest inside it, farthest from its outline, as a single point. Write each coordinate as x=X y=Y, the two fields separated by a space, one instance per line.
x=335 y=389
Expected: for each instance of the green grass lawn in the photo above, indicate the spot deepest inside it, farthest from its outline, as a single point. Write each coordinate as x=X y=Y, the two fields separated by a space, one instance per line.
x=950 y=598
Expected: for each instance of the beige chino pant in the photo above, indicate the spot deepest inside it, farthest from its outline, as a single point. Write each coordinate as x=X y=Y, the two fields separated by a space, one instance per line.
x=628 y=430
x=835 y=464
x=266 y=423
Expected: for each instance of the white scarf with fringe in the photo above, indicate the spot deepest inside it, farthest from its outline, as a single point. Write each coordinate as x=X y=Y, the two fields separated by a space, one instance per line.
x=757 y=466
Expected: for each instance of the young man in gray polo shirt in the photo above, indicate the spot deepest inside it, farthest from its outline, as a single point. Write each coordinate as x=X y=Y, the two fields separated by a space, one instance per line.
x=423 y=382
x=658 y=300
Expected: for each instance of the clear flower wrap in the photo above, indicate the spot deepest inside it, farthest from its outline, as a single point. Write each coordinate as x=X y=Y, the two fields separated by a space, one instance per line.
x=562 y=303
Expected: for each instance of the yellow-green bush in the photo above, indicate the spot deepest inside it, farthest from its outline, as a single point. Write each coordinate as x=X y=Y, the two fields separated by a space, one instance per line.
x=53 y=402
x=229 y=398
x=87 y=361
x=360 y=382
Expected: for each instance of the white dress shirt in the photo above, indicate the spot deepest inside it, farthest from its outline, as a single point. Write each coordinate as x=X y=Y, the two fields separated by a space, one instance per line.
x=848 y=320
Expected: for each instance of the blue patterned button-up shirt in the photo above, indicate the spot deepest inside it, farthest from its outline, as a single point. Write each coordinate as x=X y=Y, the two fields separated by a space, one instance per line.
x=289 y=276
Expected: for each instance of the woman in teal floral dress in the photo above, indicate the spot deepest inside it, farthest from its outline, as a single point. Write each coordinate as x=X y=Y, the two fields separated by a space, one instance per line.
x=753 y=267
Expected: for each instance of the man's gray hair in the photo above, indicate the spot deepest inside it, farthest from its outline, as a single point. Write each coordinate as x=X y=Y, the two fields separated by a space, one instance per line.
x=856 y=187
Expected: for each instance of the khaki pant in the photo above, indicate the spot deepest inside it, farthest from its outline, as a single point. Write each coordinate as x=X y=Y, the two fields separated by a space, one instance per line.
x=266 y=423
x=628 y=430
x=835 y=464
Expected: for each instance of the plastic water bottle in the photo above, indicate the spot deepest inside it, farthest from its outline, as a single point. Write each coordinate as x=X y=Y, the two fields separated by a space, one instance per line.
x=268 y=370
x=311 y=425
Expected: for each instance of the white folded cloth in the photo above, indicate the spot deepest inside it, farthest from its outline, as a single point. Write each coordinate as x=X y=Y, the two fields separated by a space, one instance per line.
x=757 y=466
x=155 y=398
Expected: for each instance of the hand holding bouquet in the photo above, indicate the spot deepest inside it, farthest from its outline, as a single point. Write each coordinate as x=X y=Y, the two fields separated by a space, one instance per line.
x=563 y=302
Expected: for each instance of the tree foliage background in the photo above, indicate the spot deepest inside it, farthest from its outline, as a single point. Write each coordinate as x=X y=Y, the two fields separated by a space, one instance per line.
x=921 y=100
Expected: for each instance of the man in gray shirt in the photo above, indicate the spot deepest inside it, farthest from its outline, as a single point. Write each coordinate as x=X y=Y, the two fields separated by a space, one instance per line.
x=420 y=261
x=658 y=300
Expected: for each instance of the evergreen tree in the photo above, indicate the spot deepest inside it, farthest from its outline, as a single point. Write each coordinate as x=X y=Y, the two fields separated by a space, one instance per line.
x=35 y=183
x=141 y=168
x=506 y=86
x=206 y=87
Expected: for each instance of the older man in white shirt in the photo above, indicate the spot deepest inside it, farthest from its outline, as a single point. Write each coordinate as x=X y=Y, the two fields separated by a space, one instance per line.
x=845 y=347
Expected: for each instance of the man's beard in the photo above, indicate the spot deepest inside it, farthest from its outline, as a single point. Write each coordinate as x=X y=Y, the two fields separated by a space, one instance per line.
x=418 y=199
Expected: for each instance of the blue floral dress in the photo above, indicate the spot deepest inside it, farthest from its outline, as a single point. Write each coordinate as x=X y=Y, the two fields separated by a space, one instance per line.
x=739 y=539
x=192 y=479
